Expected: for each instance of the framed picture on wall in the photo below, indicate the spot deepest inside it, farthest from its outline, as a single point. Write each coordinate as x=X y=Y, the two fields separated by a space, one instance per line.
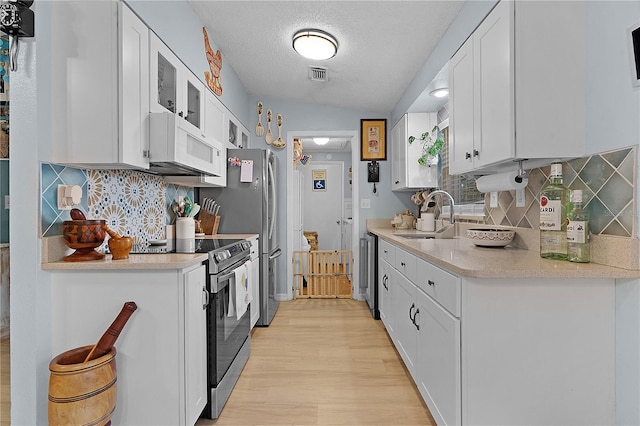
x=373 y=139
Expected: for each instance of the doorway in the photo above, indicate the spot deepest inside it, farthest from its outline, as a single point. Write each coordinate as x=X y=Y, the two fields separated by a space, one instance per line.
x=350 y=232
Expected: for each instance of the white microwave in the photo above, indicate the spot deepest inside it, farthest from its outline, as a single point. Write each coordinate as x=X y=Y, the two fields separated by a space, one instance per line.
x=175 y=149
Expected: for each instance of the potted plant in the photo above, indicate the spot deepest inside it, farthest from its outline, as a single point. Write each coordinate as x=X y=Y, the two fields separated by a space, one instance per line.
x=432 y=144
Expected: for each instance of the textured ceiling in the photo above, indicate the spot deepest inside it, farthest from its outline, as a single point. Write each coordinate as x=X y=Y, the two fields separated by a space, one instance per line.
x=382 y=45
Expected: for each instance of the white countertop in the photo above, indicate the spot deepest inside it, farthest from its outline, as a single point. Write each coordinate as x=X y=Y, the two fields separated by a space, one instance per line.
x=135 y=261
x=460 y=256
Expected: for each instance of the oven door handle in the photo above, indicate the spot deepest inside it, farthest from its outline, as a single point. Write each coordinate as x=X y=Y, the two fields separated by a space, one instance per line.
x=275 y=254
x=227 y=276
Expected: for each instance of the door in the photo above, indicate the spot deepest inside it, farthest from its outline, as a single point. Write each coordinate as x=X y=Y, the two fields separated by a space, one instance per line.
x=323 y=202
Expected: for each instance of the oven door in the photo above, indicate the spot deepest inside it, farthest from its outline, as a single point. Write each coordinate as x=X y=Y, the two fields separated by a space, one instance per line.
x=226 y=333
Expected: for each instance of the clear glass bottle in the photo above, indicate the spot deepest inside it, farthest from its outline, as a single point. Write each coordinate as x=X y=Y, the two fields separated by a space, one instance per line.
x=578 y=249
x=554 y=199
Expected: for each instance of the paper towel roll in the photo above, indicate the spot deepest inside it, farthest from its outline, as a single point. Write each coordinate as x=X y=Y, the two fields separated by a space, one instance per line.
x=501 y=182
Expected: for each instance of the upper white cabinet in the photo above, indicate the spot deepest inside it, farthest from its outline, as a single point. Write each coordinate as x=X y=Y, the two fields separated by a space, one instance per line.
x=238 y=135
x=406 y=172
x=174 y=88
x=517 y=87
x=100 y=86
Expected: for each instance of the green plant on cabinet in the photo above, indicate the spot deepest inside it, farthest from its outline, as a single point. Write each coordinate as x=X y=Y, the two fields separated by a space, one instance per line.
x=432 y=144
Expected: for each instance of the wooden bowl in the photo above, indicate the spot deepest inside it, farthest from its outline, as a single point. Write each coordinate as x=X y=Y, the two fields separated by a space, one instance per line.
x=84 y=236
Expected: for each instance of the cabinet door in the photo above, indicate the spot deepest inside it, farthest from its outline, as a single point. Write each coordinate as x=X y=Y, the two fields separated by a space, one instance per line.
x=163 y=71
x=406 y=331
x=493 y=85
x=384 y=280
x=399 y=154
x=191 y=99
x=134 y=98
x=215 y=115
x=462 y=109
x=439 y=379
x=195 y=339
x=254 y=275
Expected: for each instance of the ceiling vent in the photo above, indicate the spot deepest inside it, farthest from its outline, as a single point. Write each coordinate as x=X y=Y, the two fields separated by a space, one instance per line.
x=317 y=73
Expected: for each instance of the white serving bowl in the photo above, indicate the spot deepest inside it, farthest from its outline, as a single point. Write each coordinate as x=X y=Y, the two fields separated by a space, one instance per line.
x=491 y=237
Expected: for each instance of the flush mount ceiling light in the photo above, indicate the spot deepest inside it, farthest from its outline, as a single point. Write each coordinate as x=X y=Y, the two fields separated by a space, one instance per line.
x=321 y=141
x=315 y=44
x=440 y=93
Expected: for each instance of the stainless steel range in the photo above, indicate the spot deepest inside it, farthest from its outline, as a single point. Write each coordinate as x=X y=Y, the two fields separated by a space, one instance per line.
x=228 y=330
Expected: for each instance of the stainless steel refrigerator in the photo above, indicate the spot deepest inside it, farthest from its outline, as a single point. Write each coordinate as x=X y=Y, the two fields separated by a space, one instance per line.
x=249 y=206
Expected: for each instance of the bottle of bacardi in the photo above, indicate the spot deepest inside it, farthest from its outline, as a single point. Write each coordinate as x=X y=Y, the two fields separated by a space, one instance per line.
x=554 y=199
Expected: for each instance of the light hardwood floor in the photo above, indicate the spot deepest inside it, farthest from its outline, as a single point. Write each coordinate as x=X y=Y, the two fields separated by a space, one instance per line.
x=5 y=396
x=320 y=362
x=323 y=362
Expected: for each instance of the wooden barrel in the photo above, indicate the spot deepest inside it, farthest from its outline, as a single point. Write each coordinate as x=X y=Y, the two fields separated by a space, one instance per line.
x=82 y=393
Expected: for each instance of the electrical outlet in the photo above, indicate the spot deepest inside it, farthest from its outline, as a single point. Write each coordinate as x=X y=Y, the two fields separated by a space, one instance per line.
x=6 y=202
x=365 y=203
x=520 y=197
x=493 y=200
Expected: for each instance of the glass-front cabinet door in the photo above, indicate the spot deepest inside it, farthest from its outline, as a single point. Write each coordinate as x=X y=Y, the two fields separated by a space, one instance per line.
x=192 y=108
x=164 y=66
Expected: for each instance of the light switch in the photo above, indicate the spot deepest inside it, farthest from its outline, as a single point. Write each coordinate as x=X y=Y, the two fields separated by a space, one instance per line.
x=365 y=203
x=7 y=202
x=493 y=200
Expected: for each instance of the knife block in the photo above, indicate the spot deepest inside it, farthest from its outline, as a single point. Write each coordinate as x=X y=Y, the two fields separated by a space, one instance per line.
x=209 y=222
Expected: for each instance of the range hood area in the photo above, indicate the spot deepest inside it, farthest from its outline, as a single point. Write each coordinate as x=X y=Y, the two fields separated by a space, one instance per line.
x=180 y=149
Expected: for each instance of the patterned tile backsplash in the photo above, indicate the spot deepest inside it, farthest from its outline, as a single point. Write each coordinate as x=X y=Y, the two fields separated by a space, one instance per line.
x=133 y=203
x=607 y=180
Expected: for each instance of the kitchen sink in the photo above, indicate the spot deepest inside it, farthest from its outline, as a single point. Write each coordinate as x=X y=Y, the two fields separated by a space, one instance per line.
x=417 y=237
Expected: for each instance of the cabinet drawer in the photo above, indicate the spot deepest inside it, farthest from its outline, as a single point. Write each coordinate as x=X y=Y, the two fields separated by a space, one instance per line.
x=441 y=285
x=406 y=264
x=387 y=251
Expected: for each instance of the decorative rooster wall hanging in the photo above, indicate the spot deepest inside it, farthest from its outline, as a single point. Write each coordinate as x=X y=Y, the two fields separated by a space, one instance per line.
x=215 y=65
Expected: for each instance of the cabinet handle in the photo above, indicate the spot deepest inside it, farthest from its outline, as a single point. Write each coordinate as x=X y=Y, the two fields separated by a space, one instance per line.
x=431 y=283
x=402 y=264
x=413 y=305
x=206 y=298
x=384 y=282
x=467 y=155
x=414 y=319
x=397 y=182
x=181 y=114
x=475 y=153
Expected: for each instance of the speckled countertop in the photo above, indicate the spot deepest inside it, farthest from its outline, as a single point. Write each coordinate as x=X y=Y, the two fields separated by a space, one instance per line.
x=461 y=257
x=54 y=250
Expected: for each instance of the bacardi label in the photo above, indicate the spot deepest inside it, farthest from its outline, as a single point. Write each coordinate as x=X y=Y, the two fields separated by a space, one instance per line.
x=576 y=231
x=550 y=214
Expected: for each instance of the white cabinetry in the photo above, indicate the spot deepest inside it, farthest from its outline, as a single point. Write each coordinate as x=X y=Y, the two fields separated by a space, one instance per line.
x=100 y=86
x=161 y=358
x=480 y=349
x=254 y=278
x=522 y=66
x=406 y=172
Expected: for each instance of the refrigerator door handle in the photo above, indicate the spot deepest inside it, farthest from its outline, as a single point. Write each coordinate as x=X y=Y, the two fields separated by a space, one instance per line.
x=275 y=254
x=272 y=201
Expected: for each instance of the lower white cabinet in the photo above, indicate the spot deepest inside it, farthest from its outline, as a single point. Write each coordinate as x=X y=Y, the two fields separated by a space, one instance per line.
x=438 y=369
x=161 y=352
x=384 y=296
x=405 y=311
x=254 y=279
x=499 y=350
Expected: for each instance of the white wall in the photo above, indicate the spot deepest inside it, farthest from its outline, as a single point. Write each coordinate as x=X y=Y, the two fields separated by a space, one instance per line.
x=613 y=121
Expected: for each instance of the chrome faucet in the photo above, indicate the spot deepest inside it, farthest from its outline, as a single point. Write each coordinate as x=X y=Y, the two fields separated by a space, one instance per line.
x=441 y=192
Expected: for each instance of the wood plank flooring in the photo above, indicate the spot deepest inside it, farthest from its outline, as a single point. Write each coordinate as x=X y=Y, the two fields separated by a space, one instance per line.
x=323 y=362
x=320 y=362
x=5 y=390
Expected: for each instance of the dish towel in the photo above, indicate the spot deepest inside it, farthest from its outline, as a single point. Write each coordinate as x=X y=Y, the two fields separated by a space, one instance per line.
x=242 y=291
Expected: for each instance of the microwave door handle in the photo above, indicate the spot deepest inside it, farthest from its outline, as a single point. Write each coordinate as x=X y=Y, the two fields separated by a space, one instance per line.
x=273 y=200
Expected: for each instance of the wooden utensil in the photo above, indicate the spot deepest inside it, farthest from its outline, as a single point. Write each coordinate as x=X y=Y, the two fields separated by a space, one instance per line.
x=110 y=336
x=77 y=214
x=269 y=137
x=279 y=143
x=259 y=127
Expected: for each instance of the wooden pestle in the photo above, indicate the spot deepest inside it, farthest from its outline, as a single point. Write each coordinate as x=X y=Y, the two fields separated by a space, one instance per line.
x=110 y=336
x=112 y=233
